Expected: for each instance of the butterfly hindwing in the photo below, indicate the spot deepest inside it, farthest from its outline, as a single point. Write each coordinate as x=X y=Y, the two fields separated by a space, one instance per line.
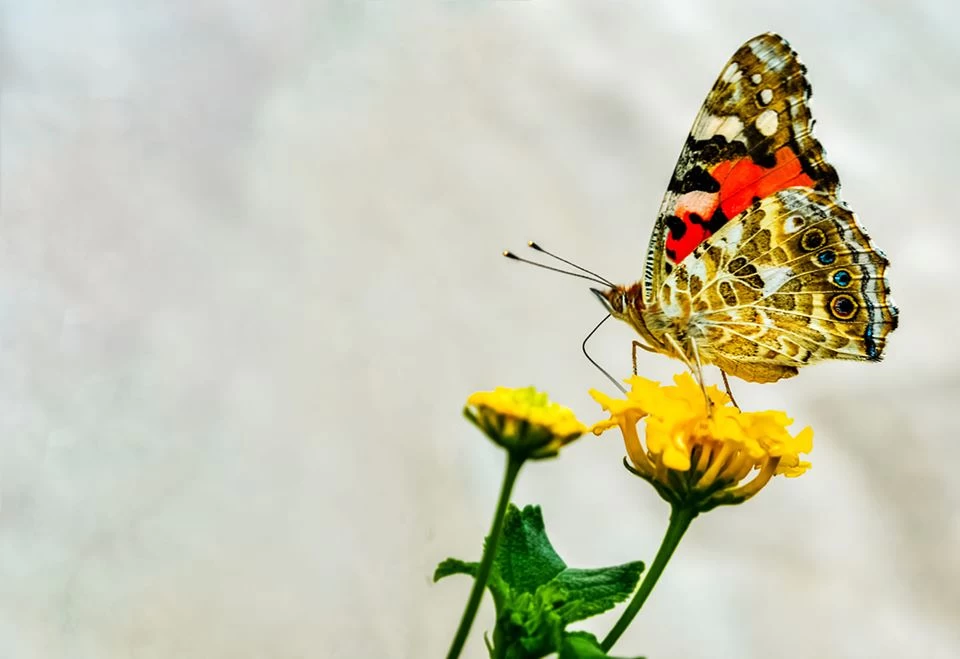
x=791 y=280
x=751 y=139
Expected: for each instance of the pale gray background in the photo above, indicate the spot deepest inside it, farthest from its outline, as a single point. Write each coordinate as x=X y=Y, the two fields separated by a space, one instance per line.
x=249 y=271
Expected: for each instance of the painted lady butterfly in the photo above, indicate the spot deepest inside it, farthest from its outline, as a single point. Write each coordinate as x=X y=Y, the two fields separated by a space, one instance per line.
x=755 y=264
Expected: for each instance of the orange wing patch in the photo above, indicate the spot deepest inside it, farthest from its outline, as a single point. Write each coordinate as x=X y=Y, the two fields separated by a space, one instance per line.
x=743 y=181
x=687 y=228
x=738 y=183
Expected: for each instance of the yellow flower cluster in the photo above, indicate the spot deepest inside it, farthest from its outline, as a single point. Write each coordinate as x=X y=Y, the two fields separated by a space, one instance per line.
x=698 y=456
x=524 y=421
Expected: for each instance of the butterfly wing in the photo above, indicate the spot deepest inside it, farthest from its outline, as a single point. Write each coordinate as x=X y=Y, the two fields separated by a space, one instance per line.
x=752 y=138
x=792 y=280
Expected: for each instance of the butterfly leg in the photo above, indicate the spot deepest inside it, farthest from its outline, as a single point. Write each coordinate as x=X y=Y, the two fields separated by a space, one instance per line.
x=680 y=354
x=695 y=367
x=726 y=385
x=638 y=344
x=699 y=374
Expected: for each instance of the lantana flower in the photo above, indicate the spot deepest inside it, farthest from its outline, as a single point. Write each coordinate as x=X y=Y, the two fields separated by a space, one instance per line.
x=697 y=457
x=528 y=425
x=524 y=421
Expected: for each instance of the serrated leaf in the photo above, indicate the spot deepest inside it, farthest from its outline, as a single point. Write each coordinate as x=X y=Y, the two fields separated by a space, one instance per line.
x=582 y=645
x=537 y=595
x=526 y=559
x=590 y=592
x=546 y=595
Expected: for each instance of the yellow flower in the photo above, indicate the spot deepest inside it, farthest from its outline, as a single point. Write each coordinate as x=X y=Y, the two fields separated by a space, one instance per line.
x=699 y=457
x=523 y=421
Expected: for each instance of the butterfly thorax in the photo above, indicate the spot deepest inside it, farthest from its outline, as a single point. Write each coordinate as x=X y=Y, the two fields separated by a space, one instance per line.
x=647 y=318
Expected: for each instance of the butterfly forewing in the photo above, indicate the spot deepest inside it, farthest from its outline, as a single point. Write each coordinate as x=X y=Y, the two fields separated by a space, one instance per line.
x=751 y=139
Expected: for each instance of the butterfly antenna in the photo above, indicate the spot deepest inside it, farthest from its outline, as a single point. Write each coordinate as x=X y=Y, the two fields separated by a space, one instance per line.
x=535 y=246
x=594 y=362
x=594 y=278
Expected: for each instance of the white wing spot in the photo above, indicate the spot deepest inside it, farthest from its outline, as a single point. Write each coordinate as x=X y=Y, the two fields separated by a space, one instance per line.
x=793 y=224
x=729 y=238
x=696 y=267
x=774 y=278
x=732 y=73
x=730 y=127
x=767 y=122
x=766 y=96
x=756 y=78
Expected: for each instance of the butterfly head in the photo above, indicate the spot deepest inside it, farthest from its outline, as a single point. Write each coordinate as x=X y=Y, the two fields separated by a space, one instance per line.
x=628 y=304
x=620 y=301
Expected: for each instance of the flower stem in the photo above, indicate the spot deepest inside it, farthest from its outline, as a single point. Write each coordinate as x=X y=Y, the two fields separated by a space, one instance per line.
x=680 y=518
x=489 y=552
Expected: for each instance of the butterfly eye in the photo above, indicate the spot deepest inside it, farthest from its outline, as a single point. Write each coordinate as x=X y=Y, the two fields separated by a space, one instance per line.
x=615 y=302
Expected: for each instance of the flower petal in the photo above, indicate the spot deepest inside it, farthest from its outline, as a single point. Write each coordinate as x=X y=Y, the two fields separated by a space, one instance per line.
x=729 y=444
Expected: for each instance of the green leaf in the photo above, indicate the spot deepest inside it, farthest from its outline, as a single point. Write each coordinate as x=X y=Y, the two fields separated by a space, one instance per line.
x=581 y=645
x=529 y=625
x=537 y=595
x=525 y=559
x=495 y=584
x=591 y=592
x=454 y=566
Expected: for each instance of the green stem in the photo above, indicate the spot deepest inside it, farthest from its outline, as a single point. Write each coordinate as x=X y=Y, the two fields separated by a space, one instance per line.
x=489 y=552
x=680 y=518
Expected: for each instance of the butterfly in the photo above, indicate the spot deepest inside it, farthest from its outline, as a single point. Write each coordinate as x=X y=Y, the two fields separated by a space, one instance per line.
x=755 y=264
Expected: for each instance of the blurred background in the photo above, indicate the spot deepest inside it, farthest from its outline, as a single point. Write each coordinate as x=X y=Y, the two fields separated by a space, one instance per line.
x=250 y=270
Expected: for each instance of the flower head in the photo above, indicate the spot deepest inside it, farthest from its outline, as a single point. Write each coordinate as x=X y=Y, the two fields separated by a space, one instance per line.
x=523 y=421
x=701 y=457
